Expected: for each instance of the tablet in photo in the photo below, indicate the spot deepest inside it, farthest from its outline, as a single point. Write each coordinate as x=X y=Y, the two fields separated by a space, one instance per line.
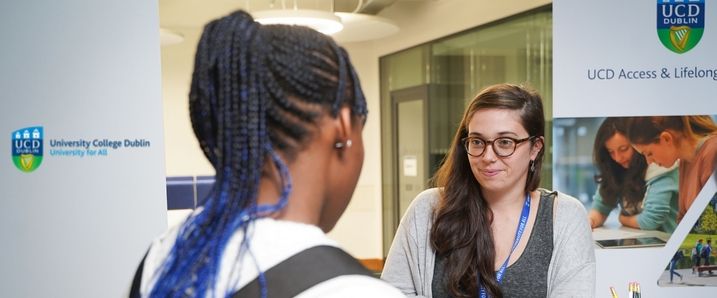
x=631 y=242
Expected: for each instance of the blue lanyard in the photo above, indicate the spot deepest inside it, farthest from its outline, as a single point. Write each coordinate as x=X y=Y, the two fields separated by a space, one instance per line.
x=518 y=233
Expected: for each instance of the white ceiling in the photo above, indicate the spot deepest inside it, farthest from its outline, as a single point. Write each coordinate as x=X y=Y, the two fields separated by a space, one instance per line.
x=186 y=18
x=178 y=15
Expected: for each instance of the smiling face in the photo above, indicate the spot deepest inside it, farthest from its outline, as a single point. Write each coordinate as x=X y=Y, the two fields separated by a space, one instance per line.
x=662 y=152
x=619 y=149
x=494 y=173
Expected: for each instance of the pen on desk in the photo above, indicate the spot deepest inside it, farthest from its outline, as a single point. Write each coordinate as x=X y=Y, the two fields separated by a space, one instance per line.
x=613 y=292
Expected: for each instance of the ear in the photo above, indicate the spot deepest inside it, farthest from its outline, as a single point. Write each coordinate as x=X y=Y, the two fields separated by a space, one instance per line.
x=666 y=137
x=537 y=146
x=344 y=125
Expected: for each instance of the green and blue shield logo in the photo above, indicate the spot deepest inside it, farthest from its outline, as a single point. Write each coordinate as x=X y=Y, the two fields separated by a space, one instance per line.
x=27 y=148
x=680 y=23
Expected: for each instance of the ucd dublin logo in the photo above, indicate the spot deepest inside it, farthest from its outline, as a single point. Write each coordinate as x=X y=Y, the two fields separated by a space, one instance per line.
x=680 y=23
x=27 y=148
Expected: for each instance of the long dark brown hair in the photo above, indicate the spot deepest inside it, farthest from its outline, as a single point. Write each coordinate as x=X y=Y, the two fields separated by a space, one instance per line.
x=616 y=181
x=461 y=229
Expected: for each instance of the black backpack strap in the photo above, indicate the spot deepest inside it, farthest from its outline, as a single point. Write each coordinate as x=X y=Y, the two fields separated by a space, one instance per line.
x=302 y=271
x=137 y=280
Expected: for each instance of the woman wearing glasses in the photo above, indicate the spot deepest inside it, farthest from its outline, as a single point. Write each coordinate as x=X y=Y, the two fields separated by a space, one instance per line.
x=487 y=230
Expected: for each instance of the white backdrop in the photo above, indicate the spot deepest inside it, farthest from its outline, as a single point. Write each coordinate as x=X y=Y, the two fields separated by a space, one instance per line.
x=621 y=36
x=77 y=226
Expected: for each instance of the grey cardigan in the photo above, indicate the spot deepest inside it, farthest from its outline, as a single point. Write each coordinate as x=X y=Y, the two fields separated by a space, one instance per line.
x=571 y=273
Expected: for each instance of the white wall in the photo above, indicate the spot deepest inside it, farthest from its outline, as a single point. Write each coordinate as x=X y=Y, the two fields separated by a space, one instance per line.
x=359 y=230
x=183 y=155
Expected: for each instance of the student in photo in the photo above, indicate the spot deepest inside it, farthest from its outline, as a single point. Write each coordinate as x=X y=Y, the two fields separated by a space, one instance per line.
x=673 y=265
x=691 y=139
x=487 y=230
x=647 y=195
x=696 y=253
x=706 y=253
x=278 y=111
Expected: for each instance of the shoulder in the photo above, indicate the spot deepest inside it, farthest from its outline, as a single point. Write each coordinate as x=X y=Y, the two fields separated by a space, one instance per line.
x=271 y=241
x=709 y=147
x=156 y=254
x=704 y=160
x=655 y=172
x=427 y=199
x=665 y=180
x=564 y=202
x=567 y=210
x=424 y=204
x=712 y=141
x=161 y=247
x=418 y=218
x=351 y=286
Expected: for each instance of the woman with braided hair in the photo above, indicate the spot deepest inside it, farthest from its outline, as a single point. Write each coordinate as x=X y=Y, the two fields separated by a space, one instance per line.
x=278 y=111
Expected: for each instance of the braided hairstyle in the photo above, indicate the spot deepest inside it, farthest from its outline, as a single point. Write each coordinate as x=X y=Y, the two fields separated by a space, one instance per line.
x=256 y=90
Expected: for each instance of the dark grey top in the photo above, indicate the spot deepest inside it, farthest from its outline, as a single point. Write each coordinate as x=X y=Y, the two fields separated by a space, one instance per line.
x=528 y=276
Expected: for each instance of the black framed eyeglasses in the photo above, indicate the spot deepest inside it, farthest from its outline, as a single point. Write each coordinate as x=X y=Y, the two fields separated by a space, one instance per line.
x=503 y=146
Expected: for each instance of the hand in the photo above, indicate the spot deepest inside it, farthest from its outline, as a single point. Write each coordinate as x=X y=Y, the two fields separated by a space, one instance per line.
x=592 y=223
x=595 y=219
x=629 y=221
x=623 y=219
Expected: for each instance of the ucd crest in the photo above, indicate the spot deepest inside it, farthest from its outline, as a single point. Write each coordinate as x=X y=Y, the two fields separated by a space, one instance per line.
x=27 y=148
x=680 y=23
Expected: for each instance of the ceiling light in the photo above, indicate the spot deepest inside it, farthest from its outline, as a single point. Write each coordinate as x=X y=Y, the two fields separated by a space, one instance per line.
x=322 y=21
x=362 y=27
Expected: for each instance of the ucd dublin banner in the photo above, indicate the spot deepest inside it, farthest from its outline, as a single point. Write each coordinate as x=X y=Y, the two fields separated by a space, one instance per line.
x=611 y=74
x=680 y=23
x=27 y=148
x=76 y=184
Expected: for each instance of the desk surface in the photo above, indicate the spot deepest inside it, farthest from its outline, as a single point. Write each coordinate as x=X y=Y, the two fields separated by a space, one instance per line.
x=622 y=232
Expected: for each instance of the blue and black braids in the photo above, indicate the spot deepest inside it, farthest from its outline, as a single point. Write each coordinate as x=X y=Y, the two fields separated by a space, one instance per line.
x=256 y=90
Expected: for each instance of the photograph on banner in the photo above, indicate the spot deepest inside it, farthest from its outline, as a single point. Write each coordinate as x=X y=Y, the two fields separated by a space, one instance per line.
x=627 y=172
x=693 y=264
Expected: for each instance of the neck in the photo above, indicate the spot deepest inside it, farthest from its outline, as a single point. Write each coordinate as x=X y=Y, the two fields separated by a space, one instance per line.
x=687 y=148
x=505 y=200
x=304 y=202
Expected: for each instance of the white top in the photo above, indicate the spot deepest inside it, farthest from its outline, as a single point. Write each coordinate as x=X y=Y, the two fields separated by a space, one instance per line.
x=271 y=242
